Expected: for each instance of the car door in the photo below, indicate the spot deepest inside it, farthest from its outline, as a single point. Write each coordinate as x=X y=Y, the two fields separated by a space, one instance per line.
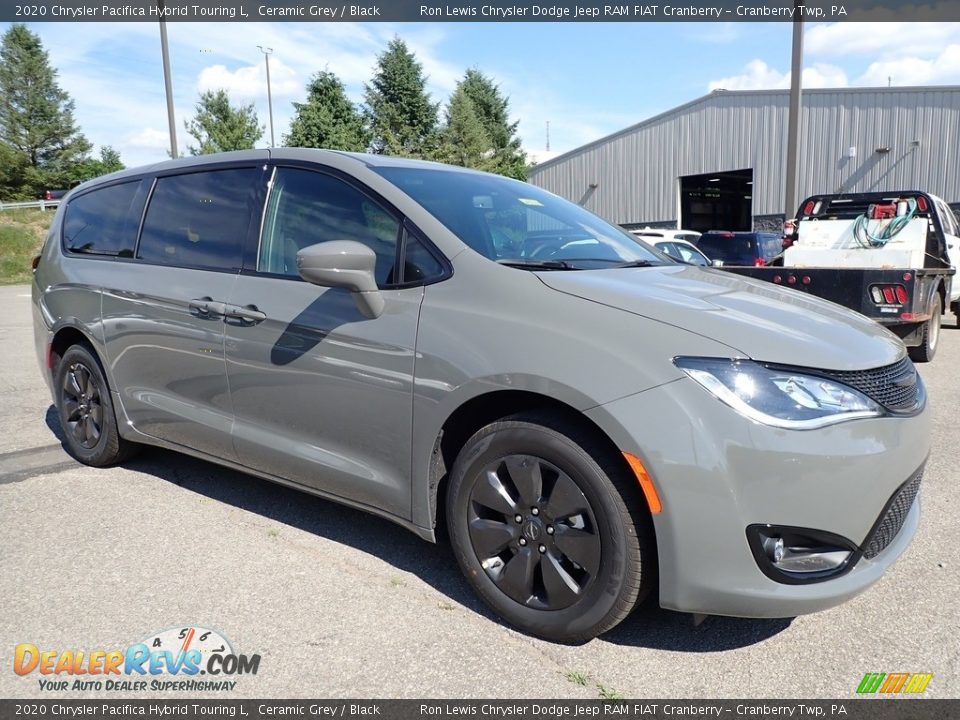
x=163 y=313
x=321 y=394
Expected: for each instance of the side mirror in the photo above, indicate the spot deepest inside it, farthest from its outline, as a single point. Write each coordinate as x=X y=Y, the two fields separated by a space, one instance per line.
x=718 y=263
x=344 y=264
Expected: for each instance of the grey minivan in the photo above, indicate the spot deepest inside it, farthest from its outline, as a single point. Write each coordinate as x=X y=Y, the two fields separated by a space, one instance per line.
x=598 y=421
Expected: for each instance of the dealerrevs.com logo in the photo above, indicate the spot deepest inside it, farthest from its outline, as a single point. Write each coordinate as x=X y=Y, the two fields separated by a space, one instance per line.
x=178 y=659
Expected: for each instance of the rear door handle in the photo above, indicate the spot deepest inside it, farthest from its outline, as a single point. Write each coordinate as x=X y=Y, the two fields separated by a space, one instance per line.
x=247 y=314
x=207 y=307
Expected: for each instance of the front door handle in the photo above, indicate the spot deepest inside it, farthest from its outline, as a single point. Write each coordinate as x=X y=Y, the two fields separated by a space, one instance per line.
x=207 y=307
x=247 y=314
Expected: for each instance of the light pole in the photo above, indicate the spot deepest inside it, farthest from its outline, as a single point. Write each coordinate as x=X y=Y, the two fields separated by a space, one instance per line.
x=793 y=121
x=168 y=85
x=266 y=55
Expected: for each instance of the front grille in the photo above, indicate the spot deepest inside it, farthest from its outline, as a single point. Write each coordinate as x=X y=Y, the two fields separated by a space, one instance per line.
x=893 y=516
x=895 y=387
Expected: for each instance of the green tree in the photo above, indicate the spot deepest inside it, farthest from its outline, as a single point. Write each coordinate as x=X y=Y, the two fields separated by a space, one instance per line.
x=464 y=139
x=40 y=144
x=219 y=126
x=401 y=117
x=493 y=110
x=109 y=162
x=327 y=119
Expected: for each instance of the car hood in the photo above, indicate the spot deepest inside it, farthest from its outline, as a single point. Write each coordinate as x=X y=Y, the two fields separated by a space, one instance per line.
x=759 y=320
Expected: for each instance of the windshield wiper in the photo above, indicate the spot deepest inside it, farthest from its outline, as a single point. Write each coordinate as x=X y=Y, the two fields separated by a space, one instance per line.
x=636 y=263
x=531 y=264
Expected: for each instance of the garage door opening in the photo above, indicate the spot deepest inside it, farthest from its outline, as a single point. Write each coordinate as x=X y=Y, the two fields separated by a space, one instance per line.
x=717 y=201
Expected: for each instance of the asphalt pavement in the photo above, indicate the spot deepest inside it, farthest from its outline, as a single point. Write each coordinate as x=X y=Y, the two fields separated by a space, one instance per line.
x=338 y=603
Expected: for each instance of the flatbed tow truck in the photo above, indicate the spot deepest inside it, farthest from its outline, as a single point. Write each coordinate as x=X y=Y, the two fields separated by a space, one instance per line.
x=891 y=256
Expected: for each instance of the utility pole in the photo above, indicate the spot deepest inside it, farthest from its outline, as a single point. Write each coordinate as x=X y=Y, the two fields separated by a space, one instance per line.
x=266 y=55
x=168 y=85
x=548 y=136
x=793 y=123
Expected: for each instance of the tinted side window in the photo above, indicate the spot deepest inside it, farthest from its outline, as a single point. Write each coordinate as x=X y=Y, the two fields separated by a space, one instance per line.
x=737 y=250
x=419 y=264
x=104 y=221
x=199 y=220
x=306 y=208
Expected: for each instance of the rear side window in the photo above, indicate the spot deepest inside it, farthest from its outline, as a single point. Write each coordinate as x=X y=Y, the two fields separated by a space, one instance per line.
x=199 y=220
x=104 y=221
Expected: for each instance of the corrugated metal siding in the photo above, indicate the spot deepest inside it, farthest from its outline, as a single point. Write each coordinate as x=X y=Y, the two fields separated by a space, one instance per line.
x=637 y=171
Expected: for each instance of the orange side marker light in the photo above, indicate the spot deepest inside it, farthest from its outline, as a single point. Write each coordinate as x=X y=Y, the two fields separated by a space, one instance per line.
x=646 y=483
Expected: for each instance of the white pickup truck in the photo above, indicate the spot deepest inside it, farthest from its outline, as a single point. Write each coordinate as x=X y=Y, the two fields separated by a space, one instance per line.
x=890 y=256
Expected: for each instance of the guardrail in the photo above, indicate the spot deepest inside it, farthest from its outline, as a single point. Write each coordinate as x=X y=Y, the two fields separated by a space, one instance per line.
x=42 y=204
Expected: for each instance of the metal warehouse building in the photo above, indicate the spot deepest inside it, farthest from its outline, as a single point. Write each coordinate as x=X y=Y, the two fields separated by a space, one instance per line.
x=718 y=162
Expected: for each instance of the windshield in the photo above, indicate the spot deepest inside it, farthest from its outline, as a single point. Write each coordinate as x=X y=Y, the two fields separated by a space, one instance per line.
x=518 y=224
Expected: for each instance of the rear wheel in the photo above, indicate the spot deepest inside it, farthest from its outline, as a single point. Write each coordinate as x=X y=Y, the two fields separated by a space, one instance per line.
x=86 y=410
x=547 y=527
x=930 y=335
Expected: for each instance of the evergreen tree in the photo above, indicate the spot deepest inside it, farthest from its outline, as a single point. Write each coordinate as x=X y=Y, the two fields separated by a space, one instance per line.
x=40 y=144
x=219 y=126
x=401 y=117
x=327 y=119
x=492 y=108
x=109 y=162
x=465 y=140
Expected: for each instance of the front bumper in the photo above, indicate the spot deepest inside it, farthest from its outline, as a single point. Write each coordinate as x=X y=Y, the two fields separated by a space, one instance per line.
x=718 y=473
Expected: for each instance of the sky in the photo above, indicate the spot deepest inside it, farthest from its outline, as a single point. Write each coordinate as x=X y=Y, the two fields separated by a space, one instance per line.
x=585 y=80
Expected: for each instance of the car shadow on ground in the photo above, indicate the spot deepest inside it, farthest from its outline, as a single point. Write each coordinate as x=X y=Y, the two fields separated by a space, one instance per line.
x=649 y=626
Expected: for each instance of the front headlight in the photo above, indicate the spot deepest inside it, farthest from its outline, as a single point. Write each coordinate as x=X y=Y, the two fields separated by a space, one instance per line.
x=778 y=397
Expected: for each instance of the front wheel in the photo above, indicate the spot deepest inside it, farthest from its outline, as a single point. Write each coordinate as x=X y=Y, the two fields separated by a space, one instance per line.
x=547 y=526
x=930 y=335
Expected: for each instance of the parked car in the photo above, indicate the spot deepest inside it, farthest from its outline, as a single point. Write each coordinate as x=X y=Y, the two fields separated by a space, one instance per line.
x=600 y=423
x=683 y=251
x=741 y=248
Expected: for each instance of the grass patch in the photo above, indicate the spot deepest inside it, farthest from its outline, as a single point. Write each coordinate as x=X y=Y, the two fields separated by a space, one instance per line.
x=608 y=693
x=577 y=678
x=21 y=235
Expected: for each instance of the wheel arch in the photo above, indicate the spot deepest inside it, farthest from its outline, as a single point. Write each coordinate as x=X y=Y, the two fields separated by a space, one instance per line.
x=65 y=337
x=483 y=409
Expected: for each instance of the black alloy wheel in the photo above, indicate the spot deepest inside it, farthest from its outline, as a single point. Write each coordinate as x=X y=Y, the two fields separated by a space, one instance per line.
x=534 y=532
x=83 y=413
x=86 y=410
x=549 y=527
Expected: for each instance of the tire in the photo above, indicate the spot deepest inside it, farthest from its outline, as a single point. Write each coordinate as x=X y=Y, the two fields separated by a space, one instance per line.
x=85 y=409
x=564 y=558
x=930 y=335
